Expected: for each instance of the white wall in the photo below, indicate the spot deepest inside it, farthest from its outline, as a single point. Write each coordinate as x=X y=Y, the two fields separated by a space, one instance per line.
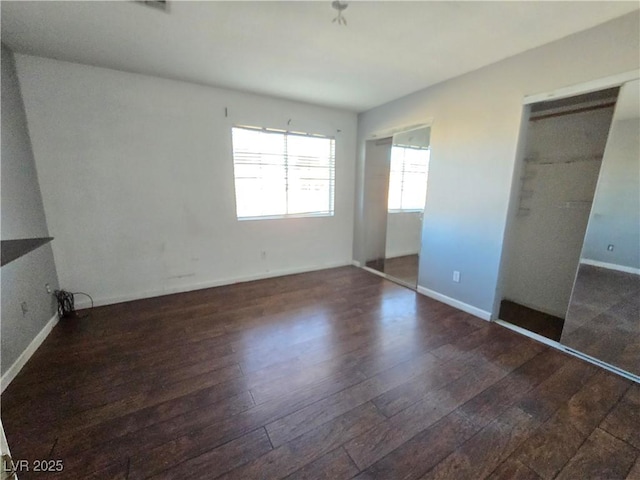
x=24 y=279
x=475 y=122
x=615 y=219
x=546 y=236
x=22 y=211
x=137 y=179
x=403 y=233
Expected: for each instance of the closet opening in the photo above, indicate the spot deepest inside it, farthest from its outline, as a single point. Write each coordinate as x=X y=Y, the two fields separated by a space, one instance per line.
x=564 y=148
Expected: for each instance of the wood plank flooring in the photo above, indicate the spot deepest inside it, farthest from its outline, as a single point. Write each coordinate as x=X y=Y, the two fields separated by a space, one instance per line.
x=334 y=374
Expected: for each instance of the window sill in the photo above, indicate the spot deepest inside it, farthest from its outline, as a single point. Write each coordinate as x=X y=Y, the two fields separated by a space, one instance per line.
x=284 y=217
x=406 y=211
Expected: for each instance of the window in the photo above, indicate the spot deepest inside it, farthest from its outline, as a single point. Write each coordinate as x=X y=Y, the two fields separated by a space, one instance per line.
x=279 y=174
x=408 y=178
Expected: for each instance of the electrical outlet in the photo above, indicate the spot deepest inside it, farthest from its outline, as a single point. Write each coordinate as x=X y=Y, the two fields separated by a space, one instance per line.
x=25 y=308
x=610 y=248
x=456 y=276
x=48 y=287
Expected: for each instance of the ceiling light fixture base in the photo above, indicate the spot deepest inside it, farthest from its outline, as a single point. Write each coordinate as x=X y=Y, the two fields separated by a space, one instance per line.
x=340 y=6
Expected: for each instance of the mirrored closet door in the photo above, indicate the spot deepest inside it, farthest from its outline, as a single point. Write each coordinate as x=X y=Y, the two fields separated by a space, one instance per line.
x=603 y=317
x=395 y=186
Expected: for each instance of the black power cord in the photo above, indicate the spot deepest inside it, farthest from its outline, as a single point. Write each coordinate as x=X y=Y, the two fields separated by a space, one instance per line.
x=66 y=303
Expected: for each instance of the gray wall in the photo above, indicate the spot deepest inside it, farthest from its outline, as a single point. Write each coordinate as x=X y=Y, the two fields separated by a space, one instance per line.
x=615 y=218
x=24 y=279
x=476 y=120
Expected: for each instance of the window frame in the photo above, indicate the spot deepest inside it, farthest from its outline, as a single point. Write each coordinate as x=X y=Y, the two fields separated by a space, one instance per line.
x=332 y=177
x=409 y=210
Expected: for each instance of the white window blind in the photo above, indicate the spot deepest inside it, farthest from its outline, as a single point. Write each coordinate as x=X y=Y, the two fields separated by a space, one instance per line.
x=279 y=174
x=408 y=178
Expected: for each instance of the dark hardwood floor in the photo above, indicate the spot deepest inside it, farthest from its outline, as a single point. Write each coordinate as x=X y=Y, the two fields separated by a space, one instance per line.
x=335 y=374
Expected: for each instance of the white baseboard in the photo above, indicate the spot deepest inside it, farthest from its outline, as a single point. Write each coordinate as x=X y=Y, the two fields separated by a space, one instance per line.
x=465 y=307
x=528 y=333
x=83 y=302
x=356 y=263
x=610 y=266
x=24 y=357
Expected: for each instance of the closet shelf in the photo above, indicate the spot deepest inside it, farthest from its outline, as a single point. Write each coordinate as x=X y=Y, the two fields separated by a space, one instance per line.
x=575 y=204
x=559 y=161
x=13 y=249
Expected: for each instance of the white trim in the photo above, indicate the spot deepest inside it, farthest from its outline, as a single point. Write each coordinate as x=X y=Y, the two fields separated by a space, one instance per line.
x=580 y=88
x=356 y=263
x=529 y=333
x=405 y=210
x=569 y=351
x=610 y=266
x=24 y=357
x=100 y=301
x=390 y=132
x=465 y=307
x=286 y=216
x=600 y=363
